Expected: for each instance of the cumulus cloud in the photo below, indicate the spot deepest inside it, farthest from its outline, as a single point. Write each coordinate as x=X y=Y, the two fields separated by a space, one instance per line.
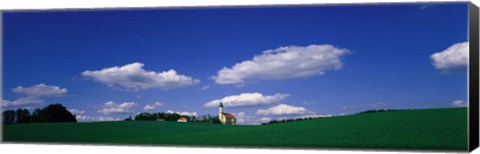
x=152 y=106
x=22 y=102
x=148 y=107
x=283 y=63
x=134 y=77
x=453 y=58
x=111 y=107
x=247 y=99
x=40 y=90
x=459 y=103
x=184 y=113
x=33 y=95
x=76 y=111
x=282 y=109
x=243 y=118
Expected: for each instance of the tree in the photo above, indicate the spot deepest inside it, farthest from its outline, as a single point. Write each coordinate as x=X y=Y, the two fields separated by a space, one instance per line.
x=53 y=113
x=128 y=119
x=173 y=117
x=8 y=117
x=167 y=116
x=215 y=120
x=22 y=115
x=37 y=116
x=145 y=116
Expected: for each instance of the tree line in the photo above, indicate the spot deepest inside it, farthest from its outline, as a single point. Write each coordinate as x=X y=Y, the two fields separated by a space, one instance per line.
x=379 y=110
x=51 y=113
x=169 y=116
x=289 y=120
x=299 y=119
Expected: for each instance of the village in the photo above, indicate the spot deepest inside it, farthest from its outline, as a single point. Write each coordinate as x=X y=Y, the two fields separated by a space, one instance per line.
x=222 y=117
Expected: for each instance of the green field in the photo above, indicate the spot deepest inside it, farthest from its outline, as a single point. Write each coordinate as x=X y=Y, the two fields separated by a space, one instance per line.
x=439 y=129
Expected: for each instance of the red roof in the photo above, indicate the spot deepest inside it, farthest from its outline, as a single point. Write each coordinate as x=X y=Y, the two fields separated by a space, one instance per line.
x=182 y=118
x=228 y=115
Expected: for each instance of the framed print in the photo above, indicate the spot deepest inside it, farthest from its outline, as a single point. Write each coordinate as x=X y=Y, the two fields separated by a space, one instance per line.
x=389 y=76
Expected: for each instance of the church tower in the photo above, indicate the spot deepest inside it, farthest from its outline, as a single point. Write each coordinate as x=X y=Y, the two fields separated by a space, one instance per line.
x=220 y=110
x=225 y=118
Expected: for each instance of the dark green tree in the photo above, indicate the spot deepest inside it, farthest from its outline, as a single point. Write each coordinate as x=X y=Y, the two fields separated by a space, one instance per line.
x=129 y=118
x=215 y=120
x=22 y=115
x=37 y=116
x=173 y=117
x=145 y=116
x=8 y=117
x=56 y=113
x=167 y=116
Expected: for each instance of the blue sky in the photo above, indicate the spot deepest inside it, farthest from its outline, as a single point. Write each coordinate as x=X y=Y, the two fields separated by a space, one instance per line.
x=309 y=60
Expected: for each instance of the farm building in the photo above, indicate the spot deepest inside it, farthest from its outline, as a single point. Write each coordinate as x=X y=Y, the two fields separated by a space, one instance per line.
x=225 y=118
x=182 y=119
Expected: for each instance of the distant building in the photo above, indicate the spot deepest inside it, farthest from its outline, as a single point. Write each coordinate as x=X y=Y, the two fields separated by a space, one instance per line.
x=160 y=120
x=182 y=119
x=225 y=118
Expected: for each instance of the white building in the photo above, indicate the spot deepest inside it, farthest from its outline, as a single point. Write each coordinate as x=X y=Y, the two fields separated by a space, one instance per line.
x=225 y=118
x=182 y=119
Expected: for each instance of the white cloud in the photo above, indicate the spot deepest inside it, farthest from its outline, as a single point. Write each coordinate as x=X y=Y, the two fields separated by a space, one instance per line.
x=40 y=90
x=453 y=58
x=104 y=118
x=33 y=95
x=85 y=118
x=184 y=113
x=153 y=106
x=314 y=115
x=76 y=111
x=282 y=109
x=148 y=107
x=243 y=118
x=283 y=118
x=264 y=120
x=283 y=63
x=113 y=108
x=459 y=103
x=247 y=99
x=21 y=102
x=206 y=87
x=134 y=77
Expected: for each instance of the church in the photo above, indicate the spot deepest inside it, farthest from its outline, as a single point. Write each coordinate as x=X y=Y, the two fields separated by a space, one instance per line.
x=225 y=118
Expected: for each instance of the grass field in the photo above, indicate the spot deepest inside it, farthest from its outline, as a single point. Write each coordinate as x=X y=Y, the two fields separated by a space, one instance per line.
x=439 y=129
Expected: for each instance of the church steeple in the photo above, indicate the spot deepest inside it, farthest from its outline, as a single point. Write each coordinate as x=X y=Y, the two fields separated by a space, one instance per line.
x=220 y=108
